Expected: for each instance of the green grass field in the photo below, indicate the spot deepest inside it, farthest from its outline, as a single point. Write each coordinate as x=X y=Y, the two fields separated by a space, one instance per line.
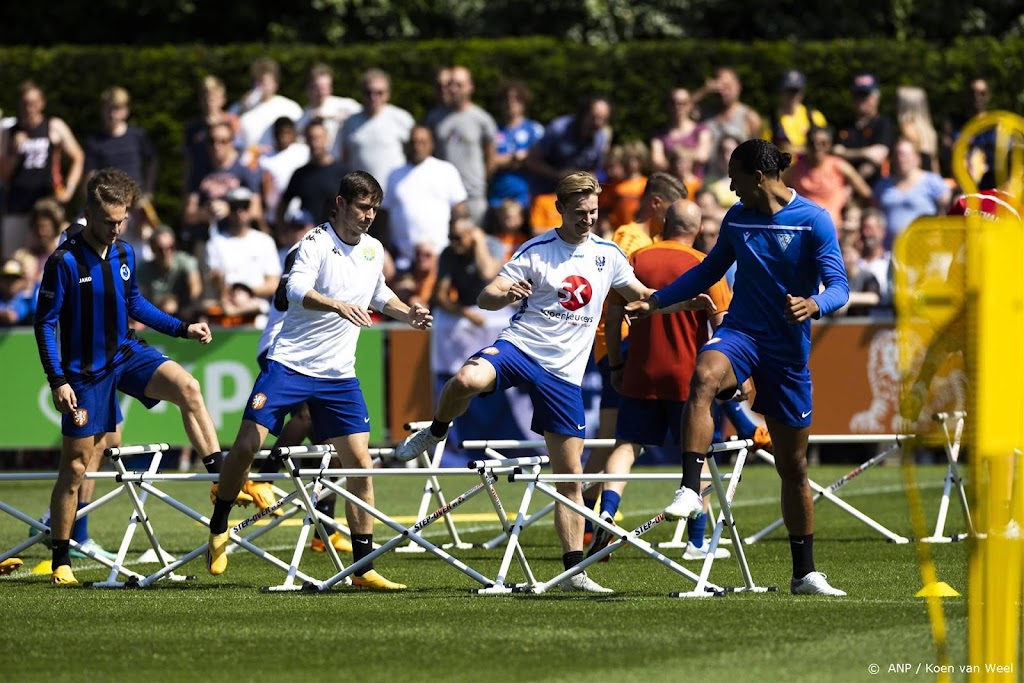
x=226 y=629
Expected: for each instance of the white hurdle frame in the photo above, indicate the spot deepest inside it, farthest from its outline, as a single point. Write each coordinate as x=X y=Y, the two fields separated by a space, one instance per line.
x=487 y=471
x=702 y=587
x=145 y=482
x=491 y=447
x=116 y=566
x=828 y=493
x=432 y=491
x=953 y=478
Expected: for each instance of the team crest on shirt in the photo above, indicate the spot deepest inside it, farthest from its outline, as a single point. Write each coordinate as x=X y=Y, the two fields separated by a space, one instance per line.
x=125 y=272
x=784 y=238
x=575 y=292
x=259 y=400
x=599 y=261
x=80 y=417
x=368 y=253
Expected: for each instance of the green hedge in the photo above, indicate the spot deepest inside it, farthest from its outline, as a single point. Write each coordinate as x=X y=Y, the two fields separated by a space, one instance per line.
x=162 y=80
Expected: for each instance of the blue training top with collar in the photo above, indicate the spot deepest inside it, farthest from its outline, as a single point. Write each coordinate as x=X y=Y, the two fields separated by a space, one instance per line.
x=790 y=252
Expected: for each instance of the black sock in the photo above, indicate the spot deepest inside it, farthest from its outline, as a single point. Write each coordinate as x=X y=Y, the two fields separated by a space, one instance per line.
x=219 y=519
x=271 y=465
x=692 y=464
x=362 y=545
x=61 y=553
x=326 y=507
x=438 y=428
x=213 y=461
x=572 y=558
x=802 y=549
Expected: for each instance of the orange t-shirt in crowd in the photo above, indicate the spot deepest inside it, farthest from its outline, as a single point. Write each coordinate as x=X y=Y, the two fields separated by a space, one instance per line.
x=824 y=185
x=626 y=196
x=663 y=348
x=629 y=237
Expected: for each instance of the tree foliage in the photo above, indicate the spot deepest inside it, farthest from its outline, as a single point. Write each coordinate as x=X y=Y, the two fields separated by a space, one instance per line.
x=346 y=22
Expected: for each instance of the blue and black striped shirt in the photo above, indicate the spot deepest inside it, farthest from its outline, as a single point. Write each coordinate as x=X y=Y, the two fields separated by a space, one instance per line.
x=91 y=299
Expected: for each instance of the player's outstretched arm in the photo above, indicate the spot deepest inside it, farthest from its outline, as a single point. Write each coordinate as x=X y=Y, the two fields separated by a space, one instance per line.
x=357 y=315
x=200 y=332
x=502 y=292
x=417 y=316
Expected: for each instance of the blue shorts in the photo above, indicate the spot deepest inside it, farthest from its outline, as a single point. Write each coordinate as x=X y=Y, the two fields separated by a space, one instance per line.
x=557 y=404
x=336 y=406
x=98 y=411
x=648 y=421
x=609 y=397
x=782 y=389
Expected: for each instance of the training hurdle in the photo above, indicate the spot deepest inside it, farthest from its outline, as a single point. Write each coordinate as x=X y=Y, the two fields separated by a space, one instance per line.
x=432 y=492
x=138 y=516
x=491 y=449
x=953 y=437
x=702 y=586
x=828 y=493
x=486 y=470
x=292 y=503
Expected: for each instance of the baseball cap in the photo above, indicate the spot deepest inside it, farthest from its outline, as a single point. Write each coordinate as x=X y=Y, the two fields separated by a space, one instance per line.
x=238 y=195
x=793 y=80
x=12 y=268
x=299 y=216
x=865 y=83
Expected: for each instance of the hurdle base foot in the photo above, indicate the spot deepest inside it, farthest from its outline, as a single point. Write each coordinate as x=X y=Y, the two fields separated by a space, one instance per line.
x=956 y=538
x=753 y=589
x=497 y=589
x=899 y=540
x=294 y=588
x=411 y=548
x=698 y=594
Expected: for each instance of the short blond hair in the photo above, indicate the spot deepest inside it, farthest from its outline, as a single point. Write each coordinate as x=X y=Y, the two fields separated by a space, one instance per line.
x=579 y=182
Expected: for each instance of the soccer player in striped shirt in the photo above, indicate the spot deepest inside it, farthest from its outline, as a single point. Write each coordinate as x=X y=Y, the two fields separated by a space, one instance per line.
x=87 y=295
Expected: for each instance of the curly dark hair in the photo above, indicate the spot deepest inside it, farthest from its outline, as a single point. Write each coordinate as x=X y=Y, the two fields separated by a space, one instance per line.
x=761 y=155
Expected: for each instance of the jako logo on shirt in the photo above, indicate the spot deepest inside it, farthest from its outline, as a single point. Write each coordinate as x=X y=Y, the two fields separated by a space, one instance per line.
x=575 y=293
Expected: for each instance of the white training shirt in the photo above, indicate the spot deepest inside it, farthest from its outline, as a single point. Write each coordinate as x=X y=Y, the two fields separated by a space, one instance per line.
x=320 y=343
x=555 y=325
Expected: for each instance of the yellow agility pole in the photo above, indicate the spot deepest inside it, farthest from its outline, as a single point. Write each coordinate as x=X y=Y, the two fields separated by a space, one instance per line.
x=960 y=304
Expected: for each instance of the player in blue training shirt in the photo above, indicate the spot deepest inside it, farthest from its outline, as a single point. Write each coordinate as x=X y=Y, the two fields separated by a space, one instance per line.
x=89 y=293
x=784 y=247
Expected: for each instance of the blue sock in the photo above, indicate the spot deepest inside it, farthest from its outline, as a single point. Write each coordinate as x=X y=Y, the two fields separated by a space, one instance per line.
x=740 y=420
x=695 y=529
x=80 y=532
x=588 y=503
x=610 y=502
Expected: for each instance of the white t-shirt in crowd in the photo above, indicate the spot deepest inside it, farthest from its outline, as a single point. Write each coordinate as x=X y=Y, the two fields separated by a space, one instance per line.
x=319 y=343
x=244 y=259
x=333 y=110
x=256 y=126
x=555 y=325
x=419 y=201
x=375 y=144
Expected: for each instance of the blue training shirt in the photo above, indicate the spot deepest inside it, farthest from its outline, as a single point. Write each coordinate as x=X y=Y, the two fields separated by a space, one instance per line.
x=91 y=299
x=791 y=252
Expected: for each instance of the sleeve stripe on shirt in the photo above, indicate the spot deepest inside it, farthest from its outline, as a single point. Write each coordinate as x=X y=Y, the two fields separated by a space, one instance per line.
x=762 y=226
x=85 y=311
x=530 y=245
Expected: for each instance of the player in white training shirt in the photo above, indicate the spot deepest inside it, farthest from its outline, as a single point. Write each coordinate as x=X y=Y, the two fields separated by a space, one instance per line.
x=337 y=273
x=560 y=279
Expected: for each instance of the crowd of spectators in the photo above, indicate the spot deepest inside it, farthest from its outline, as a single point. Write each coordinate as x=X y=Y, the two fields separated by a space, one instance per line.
x=464 y=186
